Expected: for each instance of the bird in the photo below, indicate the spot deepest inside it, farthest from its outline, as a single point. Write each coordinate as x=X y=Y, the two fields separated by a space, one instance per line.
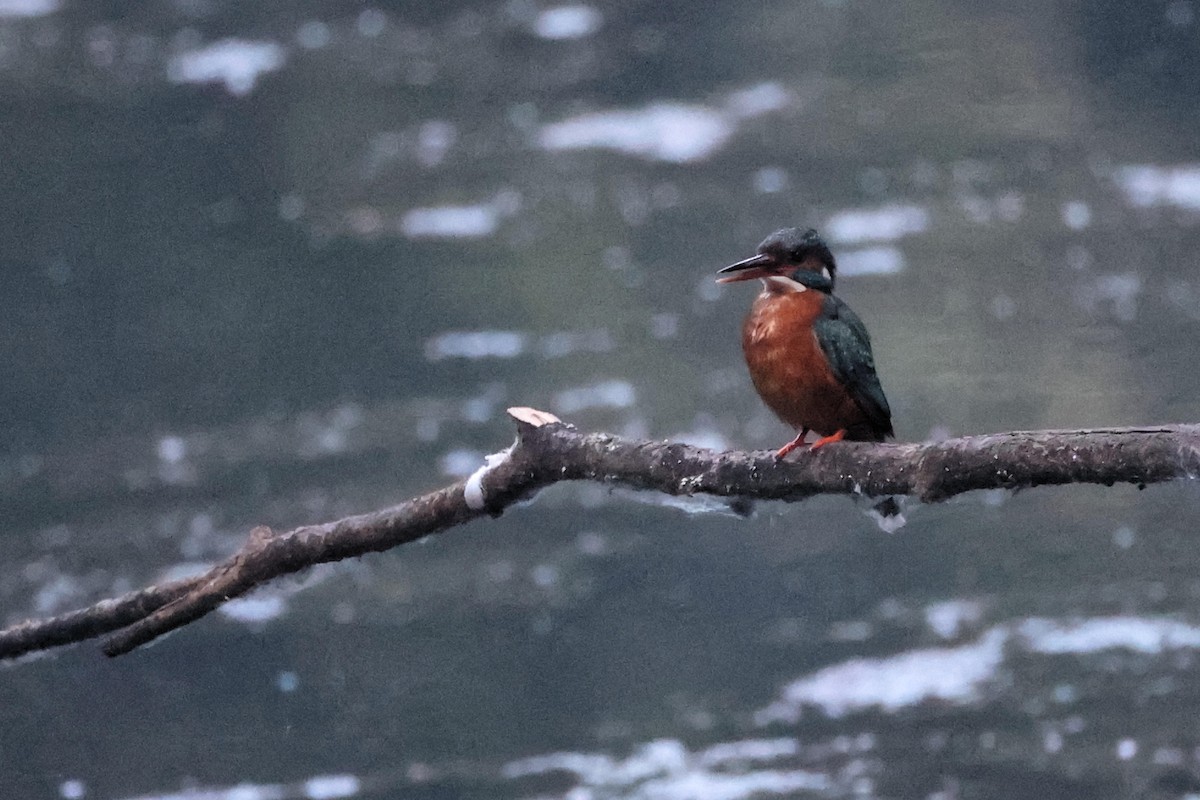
x=808 y=354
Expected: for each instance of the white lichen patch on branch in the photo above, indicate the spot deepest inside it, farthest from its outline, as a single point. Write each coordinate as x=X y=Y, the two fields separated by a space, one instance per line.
x=473 y=491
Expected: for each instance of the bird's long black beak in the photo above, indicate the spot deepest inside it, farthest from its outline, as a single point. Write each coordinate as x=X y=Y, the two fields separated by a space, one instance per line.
x=756 y=266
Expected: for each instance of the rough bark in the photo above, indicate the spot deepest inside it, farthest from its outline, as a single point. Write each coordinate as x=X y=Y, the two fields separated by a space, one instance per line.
x=547 y=451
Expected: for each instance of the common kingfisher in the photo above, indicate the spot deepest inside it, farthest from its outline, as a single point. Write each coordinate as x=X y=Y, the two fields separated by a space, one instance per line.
x=809 y=355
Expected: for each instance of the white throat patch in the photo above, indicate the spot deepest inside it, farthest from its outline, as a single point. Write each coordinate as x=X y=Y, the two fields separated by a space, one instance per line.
x=781 y=284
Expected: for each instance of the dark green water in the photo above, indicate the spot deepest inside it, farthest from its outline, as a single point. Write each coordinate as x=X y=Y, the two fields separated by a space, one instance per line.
x=276 y=263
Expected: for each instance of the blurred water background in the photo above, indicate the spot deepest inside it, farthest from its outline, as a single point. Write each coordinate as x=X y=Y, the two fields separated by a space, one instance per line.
x=275 y=263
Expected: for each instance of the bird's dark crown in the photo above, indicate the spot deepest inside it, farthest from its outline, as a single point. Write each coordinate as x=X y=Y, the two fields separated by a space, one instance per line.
x=793 y=247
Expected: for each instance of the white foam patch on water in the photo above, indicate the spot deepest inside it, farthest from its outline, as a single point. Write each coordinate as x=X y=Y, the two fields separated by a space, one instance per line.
x=880 y=224
x=318 y=787
x=72 y=790
x=1076 y=215
x=451 y=222
x=606 y=394
x=665 y=770
x=1140 y=634
x=1147 y=185
x=459 y=463
x=948 y=618
x=674 y=132
x=871 y=261
x=510 y=344
x=28 y=8
x=588 y=767
x=961 y=675
x=762 y=98
x=727 y=786
x=952 y=674
x=1127 y=749
x=328 y=787
x=172 y=449
x=770 y=180
x=748 y=750
x=174 y=465
x=567 y=22
x=475 y=345
x=238 y=63
x=256 y=609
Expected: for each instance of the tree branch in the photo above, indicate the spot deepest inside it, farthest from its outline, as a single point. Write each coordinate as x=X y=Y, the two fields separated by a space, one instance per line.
x=547 y=451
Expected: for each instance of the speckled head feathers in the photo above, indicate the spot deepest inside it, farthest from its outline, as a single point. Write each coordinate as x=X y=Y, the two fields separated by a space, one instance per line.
x=794 y=246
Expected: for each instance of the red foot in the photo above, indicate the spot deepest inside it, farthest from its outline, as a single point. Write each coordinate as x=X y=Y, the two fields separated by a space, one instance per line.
x=793 y=444
x=833 y=437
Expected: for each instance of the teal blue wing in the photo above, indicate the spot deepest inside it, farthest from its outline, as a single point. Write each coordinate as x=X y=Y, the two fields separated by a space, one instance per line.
x=847 y=346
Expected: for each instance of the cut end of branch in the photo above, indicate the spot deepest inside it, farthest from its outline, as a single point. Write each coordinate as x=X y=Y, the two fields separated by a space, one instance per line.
x=532 y=416
x=260 y=536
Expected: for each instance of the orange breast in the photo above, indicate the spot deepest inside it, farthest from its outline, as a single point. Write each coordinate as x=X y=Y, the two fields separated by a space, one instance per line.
x=788 y=367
